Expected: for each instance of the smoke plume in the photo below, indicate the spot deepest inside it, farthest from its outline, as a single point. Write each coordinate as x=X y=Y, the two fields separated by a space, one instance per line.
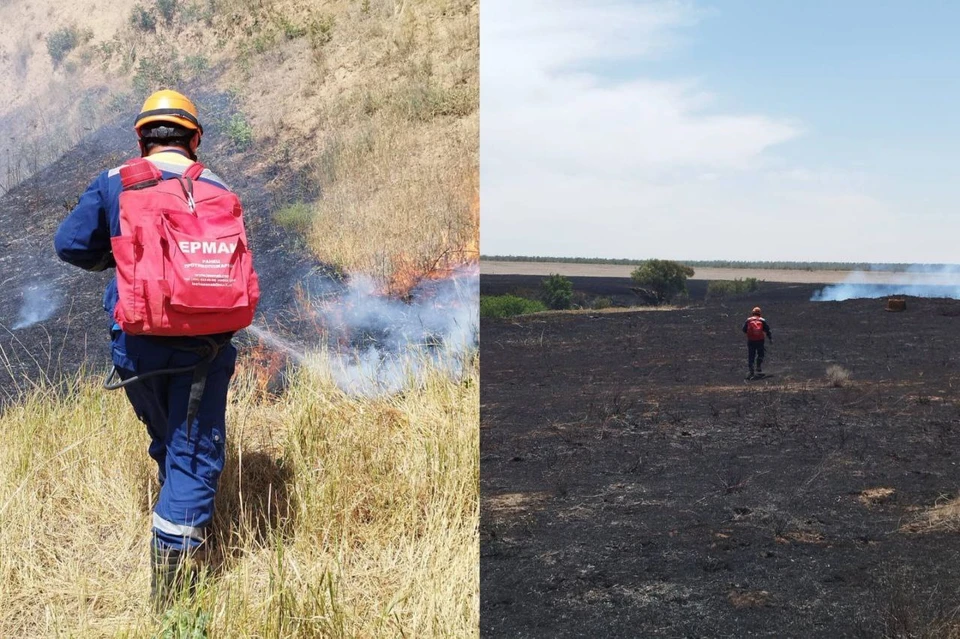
x=377 y=344
x=40 y=302
x=917 y=281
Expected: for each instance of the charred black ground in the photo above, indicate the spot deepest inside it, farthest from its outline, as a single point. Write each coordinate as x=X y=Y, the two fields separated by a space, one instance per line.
x=77 y=333
x=633 y=484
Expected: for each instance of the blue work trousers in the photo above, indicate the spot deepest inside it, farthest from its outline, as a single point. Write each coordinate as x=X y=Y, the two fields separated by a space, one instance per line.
x=755 y=349
x=188 y=470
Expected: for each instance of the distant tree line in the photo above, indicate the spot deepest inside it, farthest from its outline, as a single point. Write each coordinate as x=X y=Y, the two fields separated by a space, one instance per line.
x=782 y=265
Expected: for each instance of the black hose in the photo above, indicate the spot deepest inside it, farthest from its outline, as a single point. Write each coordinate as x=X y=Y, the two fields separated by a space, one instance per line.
x=209 y=354
x=139 y=378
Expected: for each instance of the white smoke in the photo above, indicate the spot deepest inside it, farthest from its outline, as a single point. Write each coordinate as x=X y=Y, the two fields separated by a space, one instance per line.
x=919 y=280
x=40 y=302
x=376 y=344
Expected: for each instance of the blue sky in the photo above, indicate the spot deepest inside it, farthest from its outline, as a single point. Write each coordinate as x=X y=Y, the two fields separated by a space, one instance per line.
x=727 y=130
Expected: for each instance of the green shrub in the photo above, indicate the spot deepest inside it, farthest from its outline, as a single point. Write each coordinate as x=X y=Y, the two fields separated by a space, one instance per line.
x=240 y=132
x=557 y=292
x=723 y=288
x=665 y=279
x=156 y=73
x=508 y=306
x=196 y=12
x=601 y=303
x=61 y=42
x=142 y=19
x=167 y=9
x=295 y=217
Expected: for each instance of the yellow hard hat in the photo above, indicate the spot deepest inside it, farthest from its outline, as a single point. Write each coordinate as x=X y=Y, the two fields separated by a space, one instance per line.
x=169 y=106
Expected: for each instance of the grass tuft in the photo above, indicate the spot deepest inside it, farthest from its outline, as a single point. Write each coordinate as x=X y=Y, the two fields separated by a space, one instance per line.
x=838 y=376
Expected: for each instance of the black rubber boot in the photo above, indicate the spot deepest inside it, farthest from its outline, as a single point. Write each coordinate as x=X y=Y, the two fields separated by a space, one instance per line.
x=172 y=571
x=166 y=571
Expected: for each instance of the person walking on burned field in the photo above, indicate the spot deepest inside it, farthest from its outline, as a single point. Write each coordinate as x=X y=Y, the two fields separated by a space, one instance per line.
x=757 y=331
x=184 y=284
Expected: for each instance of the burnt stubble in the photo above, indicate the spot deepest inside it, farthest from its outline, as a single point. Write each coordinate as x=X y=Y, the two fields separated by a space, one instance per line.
x=635 y=485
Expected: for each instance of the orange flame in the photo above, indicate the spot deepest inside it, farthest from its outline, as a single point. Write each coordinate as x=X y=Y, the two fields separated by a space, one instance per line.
x=265 y=363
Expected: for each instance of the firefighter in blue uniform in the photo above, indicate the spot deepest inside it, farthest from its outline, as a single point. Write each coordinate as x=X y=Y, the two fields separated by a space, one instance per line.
x=189 y=456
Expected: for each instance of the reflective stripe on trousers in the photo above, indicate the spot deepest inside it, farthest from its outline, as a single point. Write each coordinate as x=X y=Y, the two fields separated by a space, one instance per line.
x=161 y=524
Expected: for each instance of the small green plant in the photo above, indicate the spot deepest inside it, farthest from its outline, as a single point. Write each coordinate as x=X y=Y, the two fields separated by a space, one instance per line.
x=295 y=217
x=262 y=42
x=142 y=19
x=557 y=292
x=196 y=64
x=61 y=42
x=290 y=29
x=508 y=306
x=240 y=132
x=167 y=9
x=184 y=624
x=321 y=31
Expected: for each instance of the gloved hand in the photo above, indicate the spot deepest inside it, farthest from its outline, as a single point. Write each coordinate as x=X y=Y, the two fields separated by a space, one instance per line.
x=105 y=262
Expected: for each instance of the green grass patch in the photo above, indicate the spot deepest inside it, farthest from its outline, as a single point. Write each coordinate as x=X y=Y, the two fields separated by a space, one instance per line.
x=508 y=306
x=295 y=217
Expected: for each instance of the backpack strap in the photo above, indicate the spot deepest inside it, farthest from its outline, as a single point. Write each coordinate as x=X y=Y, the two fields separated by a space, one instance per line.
x=194 y=171
x=139 y=173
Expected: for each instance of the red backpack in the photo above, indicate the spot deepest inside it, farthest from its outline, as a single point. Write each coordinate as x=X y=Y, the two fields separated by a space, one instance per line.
x=183 y=266
x=755 y=329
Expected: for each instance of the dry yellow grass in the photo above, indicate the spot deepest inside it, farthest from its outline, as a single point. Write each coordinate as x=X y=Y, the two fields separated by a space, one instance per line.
x=837 y=376
x=944 y=516
x=337 y=517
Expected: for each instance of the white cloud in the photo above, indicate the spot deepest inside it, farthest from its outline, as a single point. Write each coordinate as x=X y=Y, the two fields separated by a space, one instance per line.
x=579 y=160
